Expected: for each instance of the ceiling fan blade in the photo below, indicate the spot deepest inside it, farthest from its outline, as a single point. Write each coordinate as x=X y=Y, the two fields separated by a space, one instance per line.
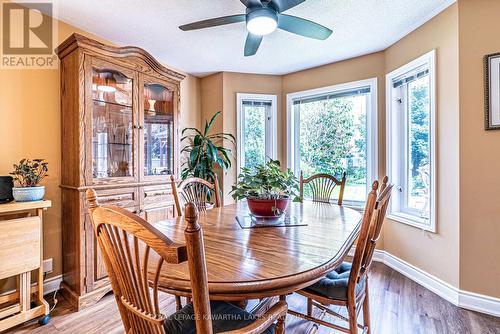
x=303 y=27
x=251 y=3
x=282 y=5
x=252 y=44
x=218 y=21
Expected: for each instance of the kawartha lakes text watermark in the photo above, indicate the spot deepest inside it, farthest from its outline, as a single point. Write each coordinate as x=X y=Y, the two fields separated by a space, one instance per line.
x=29 y=32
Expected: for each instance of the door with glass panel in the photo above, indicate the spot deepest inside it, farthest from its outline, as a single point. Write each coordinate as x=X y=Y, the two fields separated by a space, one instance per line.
x=157 y=129
x=111 y=95
x=256 y=133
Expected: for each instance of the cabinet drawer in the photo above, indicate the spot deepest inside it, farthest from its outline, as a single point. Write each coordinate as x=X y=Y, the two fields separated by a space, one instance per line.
x=122 y=197
x=156 y=196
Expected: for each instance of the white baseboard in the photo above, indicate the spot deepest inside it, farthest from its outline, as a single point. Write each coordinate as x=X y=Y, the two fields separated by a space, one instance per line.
x=52 y=284
x=480 y=303
x=464 y=299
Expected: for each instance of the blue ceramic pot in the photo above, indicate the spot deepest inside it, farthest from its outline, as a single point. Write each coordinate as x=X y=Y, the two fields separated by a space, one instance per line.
x=28 y=194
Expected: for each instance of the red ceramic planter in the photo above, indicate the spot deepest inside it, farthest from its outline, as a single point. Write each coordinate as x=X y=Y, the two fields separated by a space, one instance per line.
x=264 y=207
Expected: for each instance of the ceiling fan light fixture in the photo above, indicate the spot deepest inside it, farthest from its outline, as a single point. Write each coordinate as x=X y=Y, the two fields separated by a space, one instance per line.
x=262 y=21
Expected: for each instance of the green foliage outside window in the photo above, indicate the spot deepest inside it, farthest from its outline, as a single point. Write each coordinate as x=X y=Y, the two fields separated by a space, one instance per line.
x=255 y=127
x=419 y=134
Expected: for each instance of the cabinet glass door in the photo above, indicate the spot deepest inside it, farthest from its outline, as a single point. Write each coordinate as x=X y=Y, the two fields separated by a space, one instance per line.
x=158 y=130
x=112 y=124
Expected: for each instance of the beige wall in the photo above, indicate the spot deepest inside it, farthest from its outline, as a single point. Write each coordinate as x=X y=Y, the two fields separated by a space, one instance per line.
x=436 y=253
x=30 y=127
x=479 y=153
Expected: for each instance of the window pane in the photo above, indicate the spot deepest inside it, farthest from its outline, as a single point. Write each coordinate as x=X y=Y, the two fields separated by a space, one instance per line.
x=418 y=163
x=332 y=138
x=255 y=135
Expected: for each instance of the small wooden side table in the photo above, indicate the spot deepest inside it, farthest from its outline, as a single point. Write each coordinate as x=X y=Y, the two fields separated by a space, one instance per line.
x=21 y=252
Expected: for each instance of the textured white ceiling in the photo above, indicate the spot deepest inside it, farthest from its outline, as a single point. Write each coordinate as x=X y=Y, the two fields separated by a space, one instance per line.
x=359 y=27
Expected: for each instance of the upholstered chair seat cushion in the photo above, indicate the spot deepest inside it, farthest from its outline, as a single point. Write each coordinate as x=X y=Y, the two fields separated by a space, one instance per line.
x=225 y=317
x=334 y=284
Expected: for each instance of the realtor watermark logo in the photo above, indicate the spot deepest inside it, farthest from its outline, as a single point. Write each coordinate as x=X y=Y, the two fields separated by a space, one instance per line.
x=29 y=32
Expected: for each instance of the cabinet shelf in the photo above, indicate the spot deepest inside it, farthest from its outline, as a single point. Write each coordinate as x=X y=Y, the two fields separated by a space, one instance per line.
x=113 y=103
x=117 y=144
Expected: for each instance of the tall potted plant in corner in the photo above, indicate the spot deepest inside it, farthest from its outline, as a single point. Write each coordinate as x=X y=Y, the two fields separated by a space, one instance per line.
x=267 y=189
x=29 y=174
x=205 y=151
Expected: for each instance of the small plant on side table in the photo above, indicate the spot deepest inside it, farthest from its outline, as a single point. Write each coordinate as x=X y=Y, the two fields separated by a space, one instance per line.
x=28 y=174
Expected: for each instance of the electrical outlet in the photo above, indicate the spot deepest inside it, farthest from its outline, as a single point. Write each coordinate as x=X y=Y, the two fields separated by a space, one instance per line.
x=48 y=266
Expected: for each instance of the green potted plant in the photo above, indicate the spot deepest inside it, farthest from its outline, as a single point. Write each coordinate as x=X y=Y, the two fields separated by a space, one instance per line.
x=267 y=189
x=205 y=151
x=29 y=174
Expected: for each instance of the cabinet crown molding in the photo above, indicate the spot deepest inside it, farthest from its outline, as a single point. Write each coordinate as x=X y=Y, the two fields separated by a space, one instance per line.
x=90 y=45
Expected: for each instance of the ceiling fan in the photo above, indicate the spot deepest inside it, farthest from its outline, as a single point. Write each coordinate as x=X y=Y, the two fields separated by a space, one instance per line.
x=262 y=18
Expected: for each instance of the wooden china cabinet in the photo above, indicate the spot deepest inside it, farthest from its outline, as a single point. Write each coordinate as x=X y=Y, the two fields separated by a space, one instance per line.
x=120 y=110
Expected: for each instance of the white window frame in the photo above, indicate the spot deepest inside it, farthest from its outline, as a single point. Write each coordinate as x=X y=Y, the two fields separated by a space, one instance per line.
x=395 y=165
x=292 y=135
x=271 y=126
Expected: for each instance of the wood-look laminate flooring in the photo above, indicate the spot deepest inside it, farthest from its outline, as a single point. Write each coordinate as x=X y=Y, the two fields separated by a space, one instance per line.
x=398 y=305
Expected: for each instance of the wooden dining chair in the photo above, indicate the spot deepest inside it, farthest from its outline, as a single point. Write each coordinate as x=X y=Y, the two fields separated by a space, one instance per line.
x=198 y=191
x=347 y=285
x=322 y=187
x=134 y=253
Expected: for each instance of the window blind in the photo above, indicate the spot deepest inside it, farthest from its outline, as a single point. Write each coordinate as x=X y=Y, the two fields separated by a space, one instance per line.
x=256 y=103
x=410 y=76
x=336 y=95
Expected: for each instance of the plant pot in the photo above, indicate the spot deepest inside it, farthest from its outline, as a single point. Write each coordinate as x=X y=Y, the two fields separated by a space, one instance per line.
x=267 y=207
x=28 y=194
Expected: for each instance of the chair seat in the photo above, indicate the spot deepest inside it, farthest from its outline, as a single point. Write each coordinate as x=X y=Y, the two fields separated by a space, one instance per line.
x=334 y=284
x=225 y=317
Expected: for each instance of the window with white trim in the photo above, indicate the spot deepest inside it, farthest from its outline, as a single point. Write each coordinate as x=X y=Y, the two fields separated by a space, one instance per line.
x=411 y=137
x=334 y=130
x=256 y=129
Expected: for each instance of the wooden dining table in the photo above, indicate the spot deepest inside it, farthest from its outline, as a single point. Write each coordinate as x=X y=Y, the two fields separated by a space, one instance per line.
x=265 y=261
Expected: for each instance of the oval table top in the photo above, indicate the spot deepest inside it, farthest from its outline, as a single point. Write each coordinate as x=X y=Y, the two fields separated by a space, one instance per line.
x=266 y=261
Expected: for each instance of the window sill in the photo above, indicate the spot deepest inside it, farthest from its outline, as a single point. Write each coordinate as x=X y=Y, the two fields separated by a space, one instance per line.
x=412 y=221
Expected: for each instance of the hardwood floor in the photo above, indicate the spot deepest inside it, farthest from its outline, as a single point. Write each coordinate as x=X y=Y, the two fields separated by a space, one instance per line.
x=398 y=305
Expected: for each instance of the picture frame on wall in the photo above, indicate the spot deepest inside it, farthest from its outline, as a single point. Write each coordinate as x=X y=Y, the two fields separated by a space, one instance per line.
x=492 y=91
